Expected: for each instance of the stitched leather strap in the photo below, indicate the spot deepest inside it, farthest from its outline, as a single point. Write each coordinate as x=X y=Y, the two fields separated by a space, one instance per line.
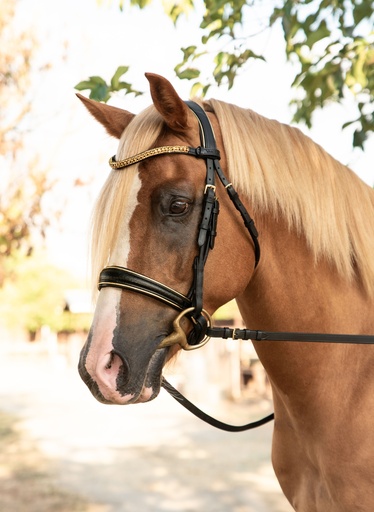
x=247 y=219
x=248 y=334
x=207 y=136
x=208 y=225
x=120 y=277
x=208 y=419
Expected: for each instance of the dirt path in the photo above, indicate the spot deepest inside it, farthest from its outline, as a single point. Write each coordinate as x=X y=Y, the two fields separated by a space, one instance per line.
x=26 y=481
x=154 y=457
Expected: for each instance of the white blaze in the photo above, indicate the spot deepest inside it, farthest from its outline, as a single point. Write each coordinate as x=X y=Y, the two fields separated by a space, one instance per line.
x=122 y=250
x=99 y=362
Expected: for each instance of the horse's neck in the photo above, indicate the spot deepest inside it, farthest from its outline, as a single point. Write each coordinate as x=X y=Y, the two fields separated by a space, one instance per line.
x=290 y=291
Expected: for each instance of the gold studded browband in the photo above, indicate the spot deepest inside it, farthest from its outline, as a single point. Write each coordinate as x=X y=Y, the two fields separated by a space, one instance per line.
x=131 y=160
x=199 y=152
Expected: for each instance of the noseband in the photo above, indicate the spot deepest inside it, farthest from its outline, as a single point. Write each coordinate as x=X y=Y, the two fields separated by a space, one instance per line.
x=191 y=305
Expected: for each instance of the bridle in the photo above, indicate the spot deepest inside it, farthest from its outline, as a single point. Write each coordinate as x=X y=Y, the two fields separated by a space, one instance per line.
x=191 y=305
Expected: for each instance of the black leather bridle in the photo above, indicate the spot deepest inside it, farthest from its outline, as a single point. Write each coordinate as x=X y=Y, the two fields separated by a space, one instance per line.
x=191 y=305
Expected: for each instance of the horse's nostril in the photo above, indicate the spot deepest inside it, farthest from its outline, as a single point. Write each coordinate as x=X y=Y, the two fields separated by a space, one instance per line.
x=108 y=366
x=123 y=373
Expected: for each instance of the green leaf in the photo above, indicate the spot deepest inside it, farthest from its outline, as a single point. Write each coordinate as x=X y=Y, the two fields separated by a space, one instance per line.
x=139 y=3
x=83 y=86
x=306 y=25
x=362 y=10
x=101 y=91
x=361 y=59
x=317 y=35
x=121 y=70
x=199 y=89
x=189 y=74
x=188 y=52
x=275 y=15
x=176 y=9
x=359 y=138
x=349 y=123
x=96 y=80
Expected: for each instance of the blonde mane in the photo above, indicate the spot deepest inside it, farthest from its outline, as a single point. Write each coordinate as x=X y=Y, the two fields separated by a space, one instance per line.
x=284 y=172
x=280 y=170
x=140 y=134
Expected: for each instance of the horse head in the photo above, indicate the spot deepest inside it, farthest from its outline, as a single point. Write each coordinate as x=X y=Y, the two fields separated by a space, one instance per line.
x=147 y=223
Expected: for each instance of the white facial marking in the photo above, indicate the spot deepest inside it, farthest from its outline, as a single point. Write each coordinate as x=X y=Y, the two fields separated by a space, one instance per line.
x=122 y=250
x=103 y=326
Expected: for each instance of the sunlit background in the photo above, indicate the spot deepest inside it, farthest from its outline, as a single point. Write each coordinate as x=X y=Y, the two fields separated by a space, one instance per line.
x=75 y=40
x=96 y=458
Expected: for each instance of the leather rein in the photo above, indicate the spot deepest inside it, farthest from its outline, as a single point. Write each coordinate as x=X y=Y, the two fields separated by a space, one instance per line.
x=191 y=305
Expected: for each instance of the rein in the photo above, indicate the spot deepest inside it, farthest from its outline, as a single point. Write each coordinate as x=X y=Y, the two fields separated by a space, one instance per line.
x=191 y=305
x=208 y=419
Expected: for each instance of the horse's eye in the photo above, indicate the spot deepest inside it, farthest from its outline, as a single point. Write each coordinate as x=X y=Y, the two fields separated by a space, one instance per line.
x=178 y=207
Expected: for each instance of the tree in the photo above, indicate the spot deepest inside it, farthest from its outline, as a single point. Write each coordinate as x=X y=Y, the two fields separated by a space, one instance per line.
x=23 y=183
x=21 y=217
x=34 y=297
x=331 y=44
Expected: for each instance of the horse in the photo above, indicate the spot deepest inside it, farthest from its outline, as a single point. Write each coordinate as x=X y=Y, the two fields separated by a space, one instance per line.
x=314 y=222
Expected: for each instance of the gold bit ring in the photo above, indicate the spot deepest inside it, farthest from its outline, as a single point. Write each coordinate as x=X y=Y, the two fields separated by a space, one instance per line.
x=178 y=336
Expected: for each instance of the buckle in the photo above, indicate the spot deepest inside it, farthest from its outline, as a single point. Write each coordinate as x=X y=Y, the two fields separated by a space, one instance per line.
x=213 y=187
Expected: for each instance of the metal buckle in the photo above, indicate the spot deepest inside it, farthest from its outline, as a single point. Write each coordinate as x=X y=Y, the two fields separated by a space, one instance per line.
x=233 y=337
x=178 y=336
x=213 y=187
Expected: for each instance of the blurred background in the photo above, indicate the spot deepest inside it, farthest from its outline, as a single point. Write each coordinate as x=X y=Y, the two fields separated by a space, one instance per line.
x=60 y=450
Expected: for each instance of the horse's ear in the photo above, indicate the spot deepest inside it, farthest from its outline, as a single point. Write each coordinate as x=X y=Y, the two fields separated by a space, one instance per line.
x=175 y=112
x=113 y=119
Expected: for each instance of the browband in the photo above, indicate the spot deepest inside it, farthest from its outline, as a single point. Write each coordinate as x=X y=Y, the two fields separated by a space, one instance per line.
x=199 y=152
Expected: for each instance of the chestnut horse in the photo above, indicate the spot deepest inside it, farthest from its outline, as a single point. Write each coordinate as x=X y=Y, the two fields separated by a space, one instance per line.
x=315 y=220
